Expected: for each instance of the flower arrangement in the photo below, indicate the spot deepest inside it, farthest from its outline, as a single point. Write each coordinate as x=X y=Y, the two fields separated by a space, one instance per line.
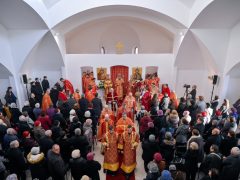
x=101 y=85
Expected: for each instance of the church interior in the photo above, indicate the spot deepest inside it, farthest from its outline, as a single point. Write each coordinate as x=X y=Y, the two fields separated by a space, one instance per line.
x=129 y=47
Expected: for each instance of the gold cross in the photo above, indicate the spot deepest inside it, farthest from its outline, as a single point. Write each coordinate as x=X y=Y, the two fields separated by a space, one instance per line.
x=119 y=47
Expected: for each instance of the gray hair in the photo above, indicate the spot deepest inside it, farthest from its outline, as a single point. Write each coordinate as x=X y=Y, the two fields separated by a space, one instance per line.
x=11 y=131
x=77 y=131
x=14 y=144
x=48 y=133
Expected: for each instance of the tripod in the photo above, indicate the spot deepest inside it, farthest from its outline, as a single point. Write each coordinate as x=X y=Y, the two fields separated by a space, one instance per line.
x=186 y=93
x=212 y=91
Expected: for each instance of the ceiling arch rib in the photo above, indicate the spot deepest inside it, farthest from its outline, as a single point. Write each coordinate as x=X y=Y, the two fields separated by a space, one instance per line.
x=124 y=11
x=174 y=9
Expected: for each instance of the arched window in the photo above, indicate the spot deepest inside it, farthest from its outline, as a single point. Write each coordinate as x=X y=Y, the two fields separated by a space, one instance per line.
x=135 y=50
x=102 y=50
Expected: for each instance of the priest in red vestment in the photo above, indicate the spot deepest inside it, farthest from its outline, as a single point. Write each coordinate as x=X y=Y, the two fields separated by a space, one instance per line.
x=112 y=99
x=122 y=124
x=90 y=94
x=165 y=89
x=128 y=143
x=131 y=104
x=67 y=85
x=103 y=126
x=62 y=96
x=146 y=99
x=46 y=101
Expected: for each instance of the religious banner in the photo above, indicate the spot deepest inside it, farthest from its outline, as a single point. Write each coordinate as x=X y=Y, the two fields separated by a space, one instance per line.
x=137 y=73
x=151 y=71
x=101 y=73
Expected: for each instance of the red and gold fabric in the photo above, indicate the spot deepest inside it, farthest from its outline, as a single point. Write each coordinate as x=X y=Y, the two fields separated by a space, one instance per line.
x=173 y=97
x=103 y=127
x=110 y=145
x=119 y=87
x=89 y=95
x=76 y=96
x=62 y=96
x=112 y=98
x=128 y=144
x=68 y=86
x=146 y=100
x=107 y=86
x=122 y=125
x=131 y=105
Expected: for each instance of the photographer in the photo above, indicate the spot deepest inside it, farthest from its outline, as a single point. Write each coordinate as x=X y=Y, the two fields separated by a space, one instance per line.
x=193 y=92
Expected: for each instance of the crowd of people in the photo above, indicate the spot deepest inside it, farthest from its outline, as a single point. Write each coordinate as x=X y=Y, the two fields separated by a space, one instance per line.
x=57 y=129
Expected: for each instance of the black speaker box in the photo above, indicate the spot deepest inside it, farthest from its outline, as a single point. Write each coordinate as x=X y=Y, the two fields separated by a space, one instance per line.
x=24 y=77
x=215 y=79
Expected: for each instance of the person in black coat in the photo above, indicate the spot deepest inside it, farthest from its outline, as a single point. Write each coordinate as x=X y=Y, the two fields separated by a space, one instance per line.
x=83 y=103
x=212 y=160
x=16 y=159
x=32 y=101
x=80 y=142
x=214 y=104
x=27 y=143
x=191 y=161
x=56 y=165
x=92 y=167
x=45 y=84
x=57 y=132
x=74 y=125
x=3 y=131
x=37 y=164
x=38 y=90
x=97 y=105
x=15 y=112
x=54 y=96
x=199 y=125
x=215 y=138
x=77 y=164
x=59 y=117
x=231 y=166
x=228 y=143
x=46 y=142
x=150 y=147
x=9 y=96
x=27 y=108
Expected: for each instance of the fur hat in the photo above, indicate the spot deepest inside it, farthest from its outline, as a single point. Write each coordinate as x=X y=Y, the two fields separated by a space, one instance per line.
x=72 y=112
x=153 y=167
x=157 y=157
x=87 y=114
x=90 y=156
x=35 y=150
x=75 y=153
x=151 y=138
x=168 y=136
x=25 y=134
x=37 y=123
x=37 y=105
x=88 y=122
x=172 y=167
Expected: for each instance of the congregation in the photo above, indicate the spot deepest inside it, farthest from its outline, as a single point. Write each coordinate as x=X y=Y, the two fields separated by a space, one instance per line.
x=57 y=130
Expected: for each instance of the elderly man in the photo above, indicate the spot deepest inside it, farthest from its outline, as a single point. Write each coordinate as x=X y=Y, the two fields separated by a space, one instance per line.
x=56 y=165
x=231 y=165
x=16 y=159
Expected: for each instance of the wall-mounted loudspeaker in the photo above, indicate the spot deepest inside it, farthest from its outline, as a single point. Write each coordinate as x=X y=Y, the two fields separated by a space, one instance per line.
x=25 y=80
x=215 y=79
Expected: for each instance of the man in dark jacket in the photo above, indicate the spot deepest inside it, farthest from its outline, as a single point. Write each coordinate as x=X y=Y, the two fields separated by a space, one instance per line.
x=212 y=160
x=97 y=105
x=80 y=142
x=46 y=142
x=39 y=90
x=45 y=84
x=59 y=117
x=200 y=126
x=17 y=163
x=215 y=138
x=231 y=165
x=56 y=166
x=150 y=147
x=54 y=96
x=92 y=167
x=77 y=165
x=83 y=103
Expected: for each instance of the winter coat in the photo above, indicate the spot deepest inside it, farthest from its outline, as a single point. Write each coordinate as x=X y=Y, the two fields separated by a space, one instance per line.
x=29 y=110
x=230 y=168
x=92 y=168
x=227 y=144
x=199 y=141
x=167 y=149
x=46 y=123
x=38 y=166
x=15 y=115
x=191 y=160
x=212 y=160
x=45 y=144
x=56 y=166
x=213 y=139
x=78 y=167
x=182 y=134
x=37 y=112
x=16 y=160
x=27 y=144
x=38 y=132
x=7 y=139
x=149 y=149
x=81 y=143
x=97 y=106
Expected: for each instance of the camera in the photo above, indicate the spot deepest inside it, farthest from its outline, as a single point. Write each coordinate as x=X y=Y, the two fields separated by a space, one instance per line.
x=186 y=86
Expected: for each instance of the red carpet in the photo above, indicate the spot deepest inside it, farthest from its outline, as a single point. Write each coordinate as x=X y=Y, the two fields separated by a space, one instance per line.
x=119 y=176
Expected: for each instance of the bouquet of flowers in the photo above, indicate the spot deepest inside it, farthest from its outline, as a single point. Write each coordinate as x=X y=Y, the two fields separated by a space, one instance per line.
x=101 y=85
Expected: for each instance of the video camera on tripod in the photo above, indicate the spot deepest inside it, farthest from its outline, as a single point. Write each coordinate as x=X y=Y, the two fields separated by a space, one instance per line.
x=186 y=86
